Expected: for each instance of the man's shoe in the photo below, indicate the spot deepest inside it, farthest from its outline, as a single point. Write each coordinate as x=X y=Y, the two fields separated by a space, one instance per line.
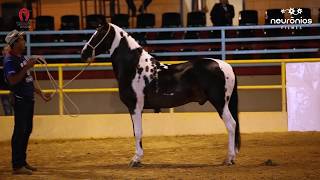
x=23 y=171
x=30 y=167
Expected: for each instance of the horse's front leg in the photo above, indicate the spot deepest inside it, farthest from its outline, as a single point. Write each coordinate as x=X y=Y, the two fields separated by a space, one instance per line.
x=136 y=118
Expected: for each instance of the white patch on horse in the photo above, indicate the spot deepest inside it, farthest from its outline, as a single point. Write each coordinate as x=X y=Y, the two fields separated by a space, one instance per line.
x=164 y=66
x=146 y=64
x=229 y=77
x=145 y=58
x=117 y=37
x=229 y=121
x=138 y=87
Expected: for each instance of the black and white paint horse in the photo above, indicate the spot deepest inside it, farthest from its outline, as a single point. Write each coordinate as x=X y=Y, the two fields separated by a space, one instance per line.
x=145 y=83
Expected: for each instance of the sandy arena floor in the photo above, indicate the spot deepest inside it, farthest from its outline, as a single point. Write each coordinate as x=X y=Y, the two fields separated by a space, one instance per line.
x=292 y=155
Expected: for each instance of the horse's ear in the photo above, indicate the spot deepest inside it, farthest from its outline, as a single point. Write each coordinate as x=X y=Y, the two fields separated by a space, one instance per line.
x=102 y=23
x=105 y=24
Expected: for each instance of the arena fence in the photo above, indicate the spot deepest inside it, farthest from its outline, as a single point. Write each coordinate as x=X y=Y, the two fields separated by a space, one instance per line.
x=223 y=40
x=61 y=90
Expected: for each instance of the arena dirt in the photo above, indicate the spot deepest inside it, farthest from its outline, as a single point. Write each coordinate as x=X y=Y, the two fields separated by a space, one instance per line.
x=262 y=156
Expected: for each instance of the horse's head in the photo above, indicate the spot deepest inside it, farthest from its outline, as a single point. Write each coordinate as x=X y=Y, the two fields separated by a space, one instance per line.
x=100 y=42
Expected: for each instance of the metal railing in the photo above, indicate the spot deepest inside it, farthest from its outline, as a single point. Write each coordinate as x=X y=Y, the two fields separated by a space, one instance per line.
x=281 y=86
x=223 y=40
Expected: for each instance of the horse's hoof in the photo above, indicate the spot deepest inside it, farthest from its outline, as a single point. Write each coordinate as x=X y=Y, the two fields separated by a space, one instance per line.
x=228 y=162
x=135 y=164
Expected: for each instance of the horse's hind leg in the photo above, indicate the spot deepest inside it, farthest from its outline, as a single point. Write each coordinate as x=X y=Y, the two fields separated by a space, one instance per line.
x=230 y=124
x=218 y=100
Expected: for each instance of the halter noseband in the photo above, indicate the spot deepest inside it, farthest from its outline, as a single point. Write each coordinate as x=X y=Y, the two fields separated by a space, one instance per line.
x=94 y=48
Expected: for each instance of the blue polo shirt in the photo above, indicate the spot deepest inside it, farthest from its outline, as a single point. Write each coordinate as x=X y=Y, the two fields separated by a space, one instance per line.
x=13 y=64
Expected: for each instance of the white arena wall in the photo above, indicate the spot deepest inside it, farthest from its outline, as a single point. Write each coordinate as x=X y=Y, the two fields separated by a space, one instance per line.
x=103 y=115
x=160 y=124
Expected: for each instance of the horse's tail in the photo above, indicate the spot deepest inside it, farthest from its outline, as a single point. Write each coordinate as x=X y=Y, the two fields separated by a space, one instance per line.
x=233 y=107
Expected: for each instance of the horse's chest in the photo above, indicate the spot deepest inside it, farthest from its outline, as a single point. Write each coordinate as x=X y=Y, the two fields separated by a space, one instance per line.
x=147 y=69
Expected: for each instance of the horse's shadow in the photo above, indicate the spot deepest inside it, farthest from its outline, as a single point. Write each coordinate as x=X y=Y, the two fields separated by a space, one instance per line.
x=155 y=166
x=89 y=170
x=167 y=166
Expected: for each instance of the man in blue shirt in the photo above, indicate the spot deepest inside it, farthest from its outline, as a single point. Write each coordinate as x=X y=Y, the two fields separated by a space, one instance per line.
x=17 y=75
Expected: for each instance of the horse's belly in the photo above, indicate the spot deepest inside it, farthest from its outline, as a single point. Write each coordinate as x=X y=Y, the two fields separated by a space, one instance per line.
x=166 y=101
x=171 y=99
x=174 y=89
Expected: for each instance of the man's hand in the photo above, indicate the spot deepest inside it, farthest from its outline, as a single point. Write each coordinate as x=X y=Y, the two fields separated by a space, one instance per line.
x=30 y=63
x=33 y=60
x=46 y=96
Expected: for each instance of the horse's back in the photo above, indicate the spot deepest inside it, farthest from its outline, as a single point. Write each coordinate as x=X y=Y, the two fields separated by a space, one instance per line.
x=175 y=86
x=185 y=82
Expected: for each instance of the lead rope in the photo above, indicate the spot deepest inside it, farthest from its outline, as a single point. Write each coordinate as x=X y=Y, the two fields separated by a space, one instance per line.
x=55 y=85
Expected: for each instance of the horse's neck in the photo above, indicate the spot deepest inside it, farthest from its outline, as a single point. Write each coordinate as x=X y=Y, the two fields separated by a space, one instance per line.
x=124 y=59
x=120 y=33
x=133 y=44
x=127 y=53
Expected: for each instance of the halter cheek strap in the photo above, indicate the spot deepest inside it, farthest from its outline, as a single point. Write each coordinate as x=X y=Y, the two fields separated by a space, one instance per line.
x=94 y=47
